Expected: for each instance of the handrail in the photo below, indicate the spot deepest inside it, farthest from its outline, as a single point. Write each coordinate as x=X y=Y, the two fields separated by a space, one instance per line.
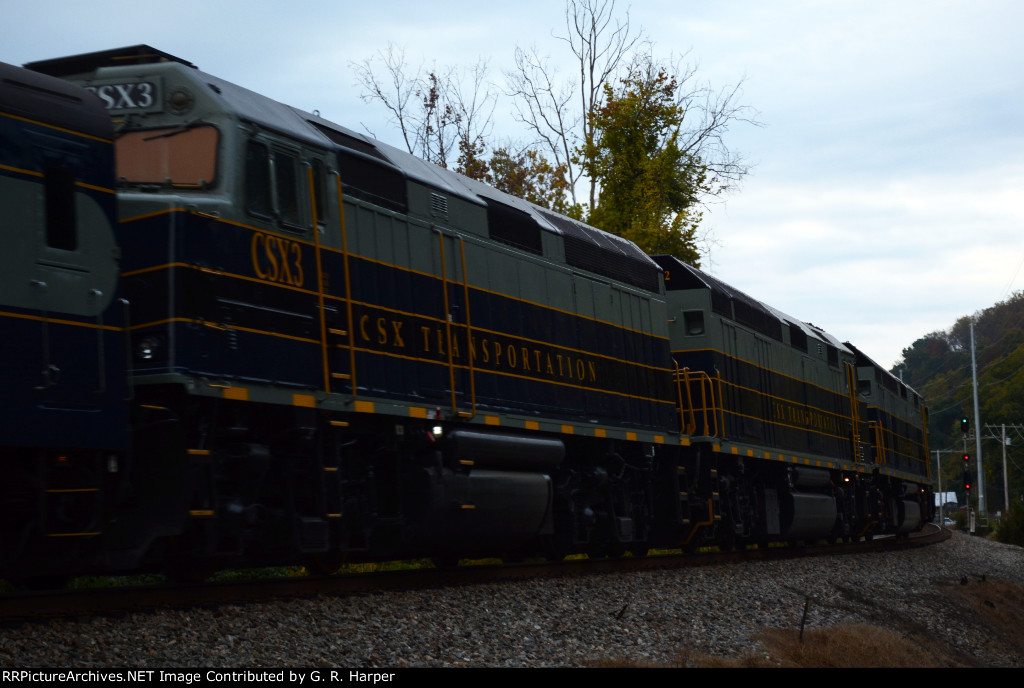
x=447 y=323
x=706 y=406
x=924 y=442
x=701 y=524
x=469 y=328
x=881 y=455
x=851 y=383
x=348 y=289
x=319 y=284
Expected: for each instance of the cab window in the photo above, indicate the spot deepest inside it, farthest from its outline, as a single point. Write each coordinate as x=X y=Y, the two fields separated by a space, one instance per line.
x=275 y=186
x=257 y=180
x=320 y=189
x=286 y=182
x=182 y=157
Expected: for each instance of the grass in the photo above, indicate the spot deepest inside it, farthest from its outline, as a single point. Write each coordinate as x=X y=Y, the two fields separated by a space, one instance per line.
x=990 y=609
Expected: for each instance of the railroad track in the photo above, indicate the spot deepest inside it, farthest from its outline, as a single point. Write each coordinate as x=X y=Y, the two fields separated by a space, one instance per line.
x=36 y=605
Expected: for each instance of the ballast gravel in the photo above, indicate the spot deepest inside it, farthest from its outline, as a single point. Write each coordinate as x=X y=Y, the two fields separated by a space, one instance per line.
x=645 y=618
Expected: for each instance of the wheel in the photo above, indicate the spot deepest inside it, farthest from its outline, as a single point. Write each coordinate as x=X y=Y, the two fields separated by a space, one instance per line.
x=445 y=561
x=727 y=536
x=325 y=564
x=558 y=545
x=192 y=570
x=40 y=583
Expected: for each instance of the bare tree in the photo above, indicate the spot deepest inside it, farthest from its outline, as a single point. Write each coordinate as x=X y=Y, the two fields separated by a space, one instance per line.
x=441 y=111
x=558 y=110
x=437 y=111
x=394 y=95
x=708 y=115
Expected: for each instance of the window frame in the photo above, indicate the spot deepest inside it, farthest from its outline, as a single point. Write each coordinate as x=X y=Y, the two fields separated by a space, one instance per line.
x=283 y=168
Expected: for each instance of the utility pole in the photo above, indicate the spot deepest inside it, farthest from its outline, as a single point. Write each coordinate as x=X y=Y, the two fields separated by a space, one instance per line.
x=1006 y=484
x=977 y=433
x=1000 y=435
x=938 y=475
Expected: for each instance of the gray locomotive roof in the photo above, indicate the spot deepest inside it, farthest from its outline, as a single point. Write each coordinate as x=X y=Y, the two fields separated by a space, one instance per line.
x=813 y=332
x=307 y=127
x=412 y=167
x=266 y=112
x=298 y=123
x=699 y=279
x=883 y=376
x=825 y=336
x=52 y=101
x=479 y=193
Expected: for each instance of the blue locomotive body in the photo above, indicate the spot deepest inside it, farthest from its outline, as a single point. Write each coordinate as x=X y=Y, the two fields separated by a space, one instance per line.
x=337 y=351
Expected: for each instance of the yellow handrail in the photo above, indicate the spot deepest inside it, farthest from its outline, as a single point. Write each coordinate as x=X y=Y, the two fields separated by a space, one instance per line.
x=706 y=405
x=469 y=328
x=319 y=284
x=880 y=453
x=348 y=289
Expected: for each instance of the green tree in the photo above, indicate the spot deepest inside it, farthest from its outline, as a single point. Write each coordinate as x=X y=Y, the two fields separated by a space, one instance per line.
x=528 y=175
x=559 y=110
x=939 y=366
x=447 y=112
x=649 y=185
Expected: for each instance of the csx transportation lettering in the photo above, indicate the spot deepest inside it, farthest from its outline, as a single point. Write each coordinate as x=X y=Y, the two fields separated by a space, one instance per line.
x=277 y=259
x=491 y=352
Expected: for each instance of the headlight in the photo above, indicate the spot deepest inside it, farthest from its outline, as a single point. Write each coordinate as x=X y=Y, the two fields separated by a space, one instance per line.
x=149 y=348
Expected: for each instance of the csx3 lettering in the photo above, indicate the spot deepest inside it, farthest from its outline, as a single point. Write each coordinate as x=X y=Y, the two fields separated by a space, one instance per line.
x=125 y=96
x=277 y=259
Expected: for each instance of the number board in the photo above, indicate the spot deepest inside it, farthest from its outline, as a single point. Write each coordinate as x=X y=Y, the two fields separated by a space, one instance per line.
x=134 y=95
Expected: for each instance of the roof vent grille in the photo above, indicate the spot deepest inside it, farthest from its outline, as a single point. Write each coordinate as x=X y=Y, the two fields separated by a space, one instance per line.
x=439 y=205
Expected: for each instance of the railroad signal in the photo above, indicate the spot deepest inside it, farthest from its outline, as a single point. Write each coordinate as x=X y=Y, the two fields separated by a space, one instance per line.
x=965 y=425
x=967 y=480
x=967 y=459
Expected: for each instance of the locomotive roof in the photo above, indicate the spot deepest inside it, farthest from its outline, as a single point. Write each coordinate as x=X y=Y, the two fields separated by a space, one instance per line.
x=479 y=193
x=52 y=101
x=88 y=62
x=882 y=376
x=748 y=310
x=685 y=276
x=615 y=257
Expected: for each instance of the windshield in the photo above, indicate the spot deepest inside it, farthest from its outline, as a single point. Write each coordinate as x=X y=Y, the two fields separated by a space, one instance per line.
x=176 y=156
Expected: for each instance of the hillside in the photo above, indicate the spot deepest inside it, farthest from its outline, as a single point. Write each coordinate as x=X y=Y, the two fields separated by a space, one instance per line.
x=939 y=367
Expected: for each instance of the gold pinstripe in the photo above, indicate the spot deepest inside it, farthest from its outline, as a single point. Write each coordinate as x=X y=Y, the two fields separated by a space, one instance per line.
x=56 y=128
x=386 y=309
x=312 y=246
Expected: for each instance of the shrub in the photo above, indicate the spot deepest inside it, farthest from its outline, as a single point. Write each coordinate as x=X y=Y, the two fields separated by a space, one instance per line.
x=1011 y=529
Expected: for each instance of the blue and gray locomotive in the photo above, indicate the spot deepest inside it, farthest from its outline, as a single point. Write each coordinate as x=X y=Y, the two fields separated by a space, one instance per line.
x=295 y=344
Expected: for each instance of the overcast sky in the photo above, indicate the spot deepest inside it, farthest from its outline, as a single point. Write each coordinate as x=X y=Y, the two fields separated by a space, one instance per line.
x=885 y=200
